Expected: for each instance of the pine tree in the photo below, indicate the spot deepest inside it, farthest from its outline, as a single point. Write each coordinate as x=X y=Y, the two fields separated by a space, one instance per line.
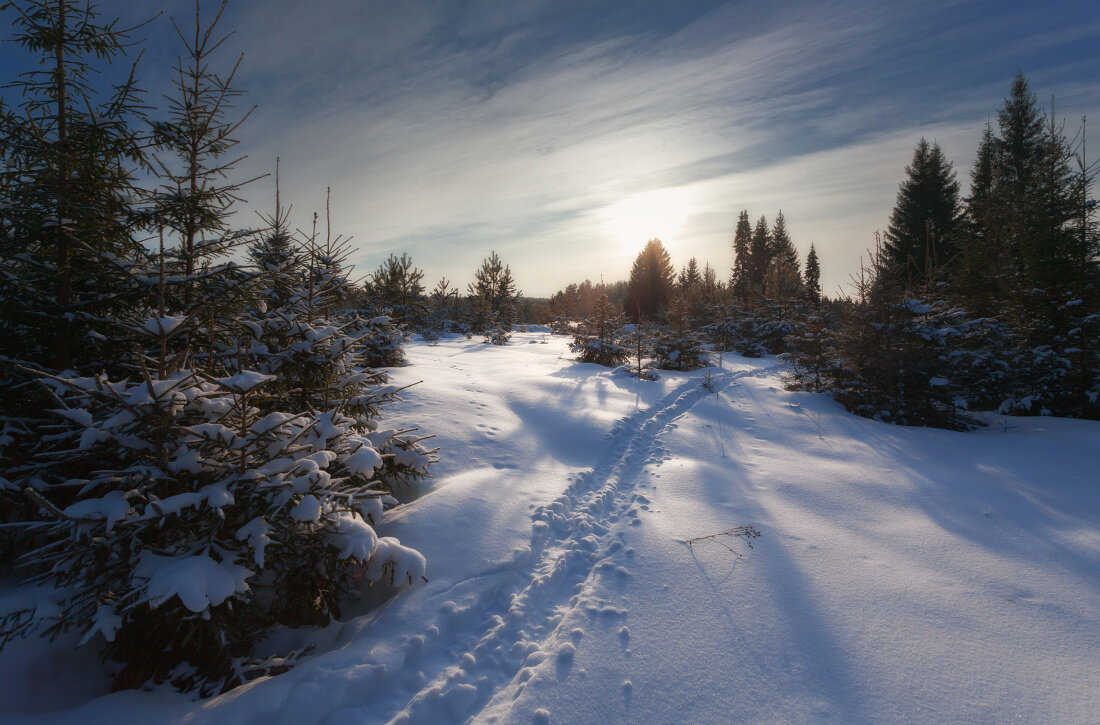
x=494 y=296
x=813 y=277
x=651 y=280
x=442 y=300
x=398 y=286
x=919 y=238
x=741 y=278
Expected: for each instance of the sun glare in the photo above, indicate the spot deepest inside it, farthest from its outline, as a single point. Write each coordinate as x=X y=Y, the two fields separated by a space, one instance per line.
x=636 y=219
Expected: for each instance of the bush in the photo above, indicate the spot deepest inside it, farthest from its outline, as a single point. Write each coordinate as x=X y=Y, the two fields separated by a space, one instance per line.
x=598 y=338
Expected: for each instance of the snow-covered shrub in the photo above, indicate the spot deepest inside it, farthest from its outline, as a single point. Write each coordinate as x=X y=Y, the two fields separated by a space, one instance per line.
x=890 y=362
x=383 y=341
x=497 y=333
x=753 y=333
x=638 y=341
x=677 y=346
x=562 y=326
x=598 y=339
x=812 y=354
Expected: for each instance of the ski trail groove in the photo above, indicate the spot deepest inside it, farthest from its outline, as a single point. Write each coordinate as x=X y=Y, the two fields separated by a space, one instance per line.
x=571 y=536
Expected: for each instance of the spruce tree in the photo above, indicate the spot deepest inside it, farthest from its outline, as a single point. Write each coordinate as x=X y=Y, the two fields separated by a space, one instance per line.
x=689 y=278
x=984 y=270
x=195 y=194
x=70 y=153
x=919 y=238
x=760 y=257
x=599 y=338
x=784 y=277
x=276 y=254
x=677 y=346
x=742 y=267
x=191 y=204
x=1020 y=121
x=813 y=276
x=651 y=281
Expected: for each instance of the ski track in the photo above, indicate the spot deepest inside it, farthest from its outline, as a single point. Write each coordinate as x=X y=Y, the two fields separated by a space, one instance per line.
x=573 y=541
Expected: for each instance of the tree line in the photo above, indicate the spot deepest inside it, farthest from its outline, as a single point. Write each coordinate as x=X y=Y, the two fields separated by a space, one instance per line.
x=988 y=302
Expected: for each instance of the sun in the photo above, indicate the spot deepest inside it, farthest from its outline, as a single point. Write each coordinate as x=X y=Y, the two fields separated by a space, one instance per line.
x=636 y=219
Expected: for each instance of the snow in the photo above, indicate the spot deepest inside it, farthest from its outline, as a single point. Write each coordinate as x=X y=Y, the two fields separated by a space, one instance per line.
x=354 y=537
x=255 y=532
x=363 y=461
x=244 y=381
x=163 y=325
x=308 y=509
x=198 y=581
x=113 y=507
x=901 y=574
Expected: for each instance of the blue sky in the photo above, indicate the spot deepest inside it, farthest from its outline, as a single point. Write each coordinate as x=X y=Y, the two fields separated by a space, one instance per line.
x=564 y=134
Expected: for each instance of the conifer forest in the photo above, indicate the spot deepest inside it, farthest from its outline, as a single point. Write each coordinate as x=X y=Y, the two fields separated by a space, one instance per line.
x=260 y=465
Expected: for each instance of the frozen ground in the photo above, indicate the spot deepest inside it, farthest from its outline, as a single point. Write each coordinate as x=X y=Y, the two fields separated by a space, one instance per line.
x=901 y=574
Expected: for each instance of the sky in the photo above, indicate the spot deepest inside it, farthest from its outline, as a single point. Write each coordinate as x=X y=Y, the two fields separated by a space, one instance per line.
x=564 y=134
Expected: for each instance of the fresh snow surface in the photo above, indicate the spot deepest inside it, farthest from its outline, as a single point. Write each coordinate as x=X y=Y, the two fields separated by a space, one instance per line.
x=901 y=574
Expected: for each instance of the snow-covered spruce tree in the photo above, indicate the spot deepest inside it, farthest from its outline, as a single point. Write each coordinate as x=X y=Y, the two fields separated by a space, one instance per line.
x=68 y=212
x=720 y=332
x=639 y=347
x=753 y=333
x=1028 y=257
x=498 y=333
x=599 y=338
x=323 y=361
x=677 y=346
x=811 y=351
x=328 y=267
x=889 y=351
x=180 y=522
x=184 y=514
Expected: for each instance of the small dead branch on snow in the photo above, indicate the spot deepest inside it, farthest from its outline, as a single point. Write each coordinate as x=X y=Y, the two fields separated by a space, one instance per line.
x=748 y=533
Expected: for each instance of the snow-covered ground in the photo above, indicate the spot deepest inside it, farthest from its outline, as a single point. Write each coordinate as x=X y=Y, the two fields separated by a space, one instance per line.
x=900 y=575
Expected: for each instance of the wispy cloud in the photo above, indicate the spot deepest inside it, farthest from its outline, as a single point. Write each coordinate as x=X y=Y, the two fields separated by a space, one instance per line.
x=448 y=131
